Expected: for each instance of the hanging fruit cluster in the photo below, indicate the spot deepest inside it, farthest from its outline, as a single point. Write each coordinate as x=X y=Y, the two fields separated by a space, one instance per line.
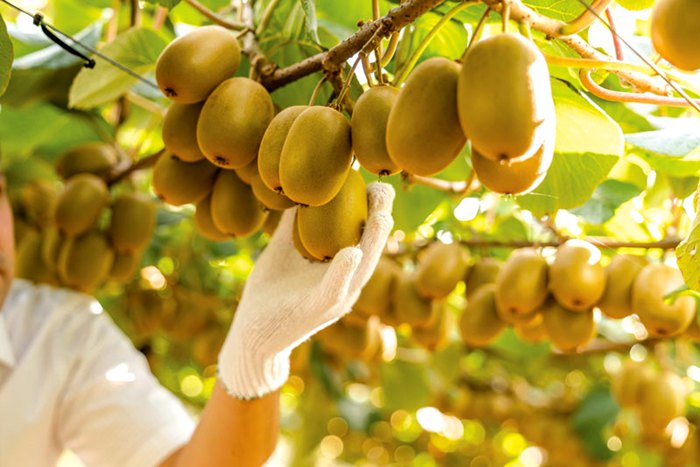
x=79 y=234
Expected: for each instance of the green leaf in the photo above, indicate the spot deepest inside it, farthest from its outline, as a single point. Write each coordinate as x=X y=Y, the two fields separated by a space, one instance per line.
x=607 y=197
x=54 y=56
x=687 y=254
x=565 y=10
x=137 y=49
x=5 y=57
x=674 y=150
x=405 y=384
x=597 y=410
x=309 y=7
x=588 y=145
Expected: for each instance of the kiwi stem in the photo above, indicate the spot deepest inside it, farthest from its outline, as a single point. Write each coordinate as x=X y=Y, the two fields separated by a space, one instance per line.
x=317 y=89
x=388 y=53
x=637 y=97
x=613 y=31
x=346 y=83
x=214 y=17
x=367 y=69
x=477 y=31
x=505 y=16
x=401 y=77
x=143 y=163
x=525 y=30
x=586 y=19
x=266 y=17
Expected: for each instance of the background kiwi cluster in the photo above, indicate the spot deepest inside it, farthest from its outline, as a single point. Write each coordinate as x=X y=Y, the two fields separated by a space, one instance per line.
x=79 y=233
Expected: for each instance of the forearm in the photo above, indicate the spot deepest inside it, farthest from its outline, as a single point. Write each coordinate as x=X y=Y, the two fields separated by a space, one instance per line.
x=232 y=431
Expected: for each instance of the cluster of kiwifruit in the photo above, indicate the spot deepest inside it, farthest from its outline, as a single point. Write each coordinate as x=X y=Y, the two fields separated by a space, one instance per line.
x=230 y=154
x=556 y=301
x=499 y=98
x=658 y=396
x=79 y=235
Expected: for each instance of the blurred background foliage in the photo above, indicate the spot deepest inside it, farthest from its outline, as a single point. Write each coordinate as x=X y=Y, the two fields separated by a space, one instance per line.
x=626 y=172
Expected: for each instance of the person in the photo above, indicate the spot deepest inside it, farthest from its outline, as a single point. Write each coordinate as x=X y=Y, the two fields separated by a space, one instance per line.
x=70 y=379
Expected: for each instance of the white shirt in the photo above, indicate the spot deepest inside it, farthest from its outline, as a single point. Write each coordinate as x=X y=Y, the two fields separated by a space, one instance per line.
x=70 y=379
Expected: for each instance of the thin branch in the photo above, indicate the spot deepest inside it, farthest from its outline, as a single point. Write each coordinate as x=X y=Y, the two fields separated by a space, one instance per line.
x=266 y=17
x=214 y=17
x=601 y=242
x=616 y=40
x=143 y=163
x=585 y=19
x=461 y=187
x=620 y=96
x=332 y=61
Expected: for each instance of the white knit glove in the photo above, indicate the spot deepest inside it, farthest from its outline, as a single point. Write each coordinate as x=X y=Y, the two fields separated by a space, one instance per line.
x=287 y=299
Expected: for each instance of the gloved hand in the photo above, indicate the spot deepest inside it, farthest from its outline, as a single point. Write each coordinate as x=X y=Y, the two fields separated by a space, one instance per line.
x=287 y=299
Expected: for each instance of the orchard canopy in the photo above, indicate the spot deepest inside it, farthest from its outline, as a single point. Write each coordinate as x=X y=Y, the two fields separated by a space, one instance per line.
x=536 y=303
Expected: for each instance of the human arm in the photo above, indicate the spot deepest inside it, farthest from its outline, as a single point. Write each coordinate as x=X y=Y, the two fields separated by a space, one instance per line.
x=286 y=300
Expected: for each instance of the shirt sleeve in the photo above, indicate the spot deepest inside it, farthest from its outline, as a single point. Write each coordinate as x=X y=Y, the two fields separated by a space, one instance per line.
x=113 y=411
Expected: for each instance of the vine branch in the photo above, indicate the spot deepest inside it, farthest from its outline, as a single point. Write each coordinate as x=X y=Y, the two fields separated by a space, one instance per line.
x=332 y=61
x=143 y=163
x=214 y=17
x=602 y=242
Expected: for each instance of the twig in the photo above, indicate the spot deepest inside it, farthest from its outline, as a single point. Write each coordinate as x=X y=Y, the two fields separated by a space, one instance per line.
x=333 y=60
x=585 y=19
x=135 y=13
x=601 y=242
x=438 y=184
x=141 y=164
x=217 y=19
x=616 y=40
x=620 y=96
x=266 y=17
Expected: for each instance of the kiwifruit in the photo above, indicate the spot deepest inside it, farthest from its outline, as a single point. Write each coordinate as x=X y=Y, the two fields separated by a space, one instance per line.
x=423 y=134
x=433 y=335
x=649 y=290
x=325 y=230
x=316 y=156
x=693 y=330
x=504 y=97
x=484 y=271
x=301 y=249
x=675 y=32
x=661 y=399
x=205 y=224
x=177 y=182
x=29 y=263
x=272 y=144
x=191 y=66
x=273 y=219
x=351 y=339
x=180 y=131
x=95 y=158
x=234 y=208
x=269 y=198
x=51 y=241
x=376 y=295
x=568 y=330
x=247 y=172
x=532 y=330
x=233 y=121
x=39 y=199
x=521 y=285
x=133 y=222
x=369 y=121
x=409 y=306
x=627 y=383
x=480 y=324
x=85 y=261
x=514 y=177
x=124 y=266
x=80 y=204
x=440 y=268
x=620 y=274
x=576 y=277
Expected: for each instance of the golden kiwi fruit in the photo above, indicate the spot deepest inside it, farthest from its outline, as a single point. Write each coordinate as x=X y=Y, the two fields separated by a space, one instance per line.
x=480 y=323
x=626 y=383
x=423 y=134
x=301 y=249
x=124 y=266
x=325 y=230
x=577 y=279
x=234 y=208
x=521 y=285
x=376 y=295
x=269 y=198
x=191 y=66
x=179 y=131
x=568 y=330
x=484 y=271
x=649 y=290
x=95 y=158
x=79 y=206
x=620 y=274
x=205 y=224
x=675 y=32
x=233 y=121
x=272 y=144
x=440 y=268
x=504 y=97
x=316 y=156
x=85 y=260
x=409 y=306
x=369 y=121
x=177 y=182
x=133 y=222
x=247 y=172
x=661 y=399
